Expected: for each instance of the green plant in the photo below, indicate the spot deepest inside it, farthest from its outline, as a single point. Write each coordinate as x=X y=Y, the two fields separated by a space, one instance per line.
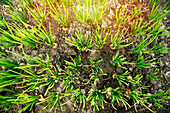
x=96 y=98
x=18 y=14
x=83 y=41
x=33 y=79
x=144 y=62
x=8 y=62
x=8 y=78
x=117 y=40
x=67 y=78
x=75 y=65
x=156 y=31
x=135 y=95
x=82 y=11
x=6 y=2
x=153 y=76
x=76 y=95
x=122 y=17
x=119 y=61
x=100 y=37
x=133 y=1
x=38 y=13
x=27 y=3
x=27 y=36
x=121 y=78
x=118 y=96
x=53 y=100
x=59 y=15
x=136 y=80
x=4 y=103
x=147 y=41
x=158 y=13
x=98 y=11
x=67 y=3
x=158 y=98
x=138 y=29
x=29 y=100
x=153 y=2
x=93 y=64
x=135 y=12
x=94 y=76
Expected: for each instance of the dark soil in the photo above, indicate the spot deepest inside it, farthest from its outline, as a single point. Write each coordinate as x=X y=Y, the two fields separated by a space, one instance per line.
x=64 y=51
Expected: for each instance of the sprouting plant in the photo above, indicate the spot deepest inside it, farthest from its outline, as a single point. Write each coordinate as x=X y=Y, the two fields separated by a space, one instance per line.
x=82 y=11
x=136 y=80
x=83 y=42
x=98 y=11
x=27 y=3
x=6 y=2
x=67 y=3
x=77 y=95
x=118 y=96
x=119 y=61
x=93 y=64
x=59 y=15
x=133 y=1
x=18 y=14
x=117 y=40
x=53 y=100
x=96 y=98
x=122 y=78
x=8 y=62
x=29 y=100
x=75 y=64
x=137 y=98
x=135 y=12
x=39 y=14
x=158 y=98
x=94 y=76
x=156 y=47
x=26 y=36
x=158 y=13
x=101 y=37
x=67 y=78
x=36 y=79
x=153 y=76
x=8 y=78
x=4 y=103
x=122 y=17
x=156 y=31
x=153 y=2
x=142 y=62
x=138 y=29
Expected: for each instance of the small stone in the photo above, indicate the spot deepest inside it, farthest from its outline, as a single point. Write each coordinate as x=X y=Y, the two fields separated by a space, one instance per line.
x=129 y=77
x=55 y=46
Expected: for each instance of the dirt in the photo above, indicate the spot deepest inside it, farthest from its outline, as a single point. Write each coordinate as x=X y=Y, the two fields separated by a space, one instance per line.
x=64 y=51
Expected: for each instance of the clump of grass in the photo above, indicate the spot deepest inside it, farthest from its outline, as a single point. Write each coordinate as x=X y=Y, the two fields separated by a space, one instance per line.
x=82 y=11
x=29 y=35
x=83 y=42
x=58 y=14
x=101 y=37
x=118 y=96
x=38 y=13
x=142 y=62
x=158 y=13
x=117 y=40
x=96 y=98
x=146 y=41
x=119 y=61
x=98 y=11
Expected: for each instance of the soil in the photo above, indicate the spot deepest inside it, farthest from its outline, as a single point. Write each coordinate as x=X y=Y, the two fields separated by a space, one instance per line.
x=64 y=51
